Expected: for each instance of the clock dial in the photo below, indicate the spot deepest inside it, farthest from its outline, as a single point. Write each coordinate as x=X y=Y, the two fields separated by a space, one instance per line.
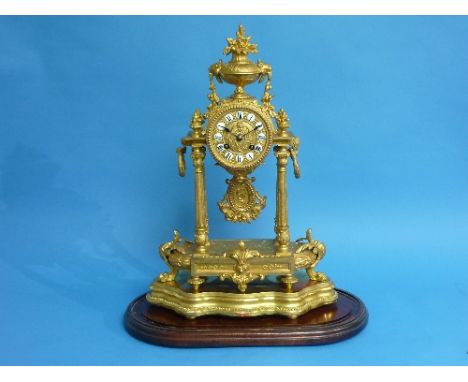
x=239 y=137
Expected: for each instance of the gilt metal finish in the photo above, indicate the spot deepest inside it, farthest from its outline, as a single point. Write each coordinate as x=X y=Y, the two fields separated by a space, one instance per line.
x=240 y=132
x=286 y=303
x=241 y=203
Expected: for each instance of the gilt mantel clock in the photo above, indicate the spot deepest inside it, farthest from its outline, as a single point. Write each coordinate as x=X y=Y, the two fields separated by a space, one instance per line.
x=245 y=291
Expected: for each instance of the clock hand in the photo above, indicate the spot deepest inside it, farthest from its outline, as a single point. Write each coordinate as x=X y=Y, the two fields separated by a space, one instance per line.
x=228 y=130
x=240 y=137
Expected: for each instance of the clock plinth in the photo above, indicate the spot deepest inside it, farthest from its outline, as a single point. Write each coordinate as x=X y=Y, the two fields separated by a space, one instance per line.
x=242 y=279
x=215 y=297
x=265 y=279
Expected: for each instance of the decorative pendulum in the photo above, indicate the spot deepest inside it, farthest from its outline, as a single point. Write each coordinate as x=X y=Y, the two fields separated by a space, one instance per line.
x=241 y=203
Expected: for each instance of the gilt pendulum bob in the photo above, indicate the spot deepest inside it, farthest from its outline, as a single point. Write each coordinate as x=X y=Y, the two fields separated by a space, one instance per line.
x=242 y=292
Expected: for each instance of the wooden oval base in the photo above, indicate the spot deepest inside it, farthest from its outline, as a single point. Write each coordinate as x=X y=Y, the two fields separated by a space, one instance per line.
x=327 y=324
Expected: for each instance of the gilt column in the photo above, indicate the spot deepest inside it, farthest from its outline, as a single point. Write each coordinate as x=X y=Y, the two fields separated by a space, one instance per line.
x=198 y=159
x=282 y=156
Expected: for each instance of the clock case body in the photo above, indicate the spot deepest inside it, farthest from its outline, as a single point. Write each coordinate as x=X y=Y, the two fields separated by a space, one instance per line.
x=240 y=111
x=249 y=291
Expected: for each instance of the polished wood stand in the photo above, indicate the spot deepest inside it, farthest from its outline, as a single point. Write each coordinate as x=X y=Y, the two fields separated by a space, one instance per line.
x=327 y=324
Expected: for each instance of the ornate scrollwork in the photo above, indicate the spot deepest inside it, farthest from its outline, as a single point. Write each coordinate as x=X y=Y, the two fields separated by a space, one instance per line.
x=309 y=253
x=174 y=254
x=242 y=276
x=215 y=71
x=265 y=71
x=241 y=203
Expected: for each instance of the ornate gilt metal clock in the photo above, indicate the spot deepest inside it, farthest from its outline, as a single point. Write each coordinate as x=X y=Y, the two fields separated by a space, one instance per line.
x=241 y=278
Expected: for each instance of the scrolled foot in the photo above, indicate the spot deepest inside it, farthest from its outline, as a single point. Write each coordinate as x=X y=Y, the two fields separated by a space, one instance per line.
x=316 y=276
x=167 y=277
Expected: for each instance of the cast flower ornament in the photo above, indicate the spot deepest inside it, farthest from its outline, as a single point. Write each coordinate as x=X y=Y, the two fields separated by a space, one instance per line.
x=241 y=45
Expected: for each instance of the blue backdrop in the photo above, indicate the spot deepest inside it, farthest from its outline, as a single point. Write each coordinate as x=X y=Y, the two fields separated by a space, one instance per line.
x=92 y=109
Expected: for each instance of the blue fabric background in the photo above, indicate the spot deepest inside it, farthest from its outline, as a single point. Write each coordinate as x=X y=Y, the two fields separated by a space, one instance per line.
x=92 y=109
